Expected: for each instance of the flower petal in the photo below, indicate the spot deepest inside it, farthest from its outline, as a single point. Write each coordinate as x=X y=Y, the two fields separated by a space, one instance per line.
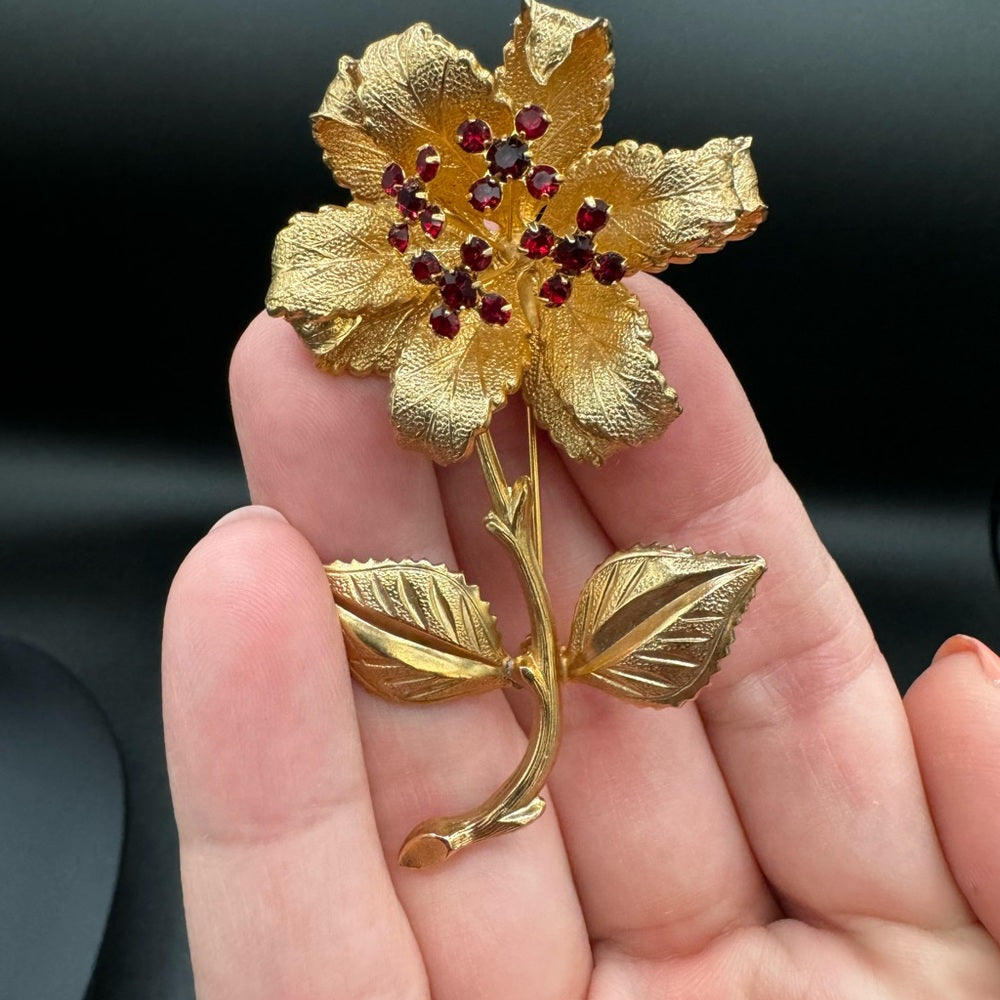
x=445 y=391
x=337 y=262
x=594 y=381
x=369 y=344
x=406 y=91
x=754 y=211
x=563 y=63
x=552 y=413
x=354 y=158
x=665 y=207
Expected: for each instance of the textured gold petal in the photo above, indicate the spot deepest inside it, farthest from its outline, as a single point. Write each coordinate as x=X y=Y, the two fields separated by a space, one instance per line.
x=563 y=63
x=595 y=383
x=664 y=206
x=352 y=155
x=408 y=90
x=337 y=262
x=753 y=210
x=445 y=391
x=552 y=413
x=363 y=345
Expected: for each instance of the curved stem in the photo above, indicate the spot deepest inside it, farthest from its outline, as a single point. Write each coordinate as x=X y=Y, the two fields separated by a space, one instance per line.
x=517 y=801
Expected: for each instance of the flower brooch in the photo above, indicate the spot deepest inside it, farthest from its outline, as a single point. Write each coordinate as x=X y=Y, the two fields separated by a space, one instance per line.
x=483 y=253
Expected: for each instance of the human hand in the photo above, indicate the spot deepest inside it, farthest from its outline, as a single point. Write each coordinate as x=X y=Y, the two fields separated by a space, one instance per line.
x=801 y=831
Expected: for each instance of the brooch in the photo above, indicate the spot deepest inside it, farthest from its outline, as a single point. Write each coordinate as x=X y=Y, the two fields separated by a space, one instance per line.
x=483 y=254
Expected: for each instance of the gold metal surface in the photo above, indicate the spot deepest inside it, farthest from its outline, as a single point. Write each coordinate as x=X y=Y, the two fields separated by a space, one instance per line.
x=594 y=382
x=416 y=632
x=651 y=624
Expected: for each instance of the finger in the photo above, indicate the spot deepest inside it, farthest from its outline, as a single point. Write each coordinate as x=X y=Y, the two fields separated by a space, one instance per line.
x=321 y=449
x=286 y=891
x=635 y=790
x=804 y=717
x=954 y=712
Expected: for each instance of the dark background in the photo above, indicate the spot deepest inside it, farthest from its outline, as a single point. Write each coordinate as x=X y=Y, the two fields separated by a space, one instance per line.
x=152 y=150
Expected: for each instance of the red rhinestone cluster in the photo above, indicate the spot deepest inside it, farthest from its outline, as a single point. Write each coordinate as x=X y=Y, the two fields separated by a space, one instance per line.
x=411 y=198
x=459 y=288
x=508 y=158
x=574 y=254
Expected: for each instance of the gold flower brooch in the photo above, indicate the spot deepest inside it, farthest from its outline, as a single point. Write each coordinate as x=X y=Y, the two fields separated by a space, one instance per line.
x=483 y=252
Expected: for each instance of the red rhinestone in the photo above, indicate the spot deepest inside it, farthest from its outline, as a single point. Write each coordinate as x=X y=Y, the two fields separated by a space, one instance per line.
x=592 y=216
x=543 y=181
x=392 y=179
x=411 y=199
x=495 y=309
x=532 y=121
x=485 y=193
x=537 y=240
x=428 y=163
x=432 y=221
x=399 y=237
x=509 y=158
x=574 y=253
x=477 y=253
x=457 y=289
x=473 y=135
x=609 y=267
x=425 y=267
x=556 y=290
x=444 y=322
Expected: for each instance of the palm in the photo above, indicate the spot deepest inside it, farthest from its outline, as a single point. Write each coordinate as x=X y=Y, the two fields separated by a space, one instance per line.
x=774 y=841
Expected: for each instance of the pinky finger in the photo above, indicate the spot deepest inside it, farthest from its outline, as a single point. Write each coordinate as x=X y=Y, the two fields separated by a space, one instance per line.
x=954 y=713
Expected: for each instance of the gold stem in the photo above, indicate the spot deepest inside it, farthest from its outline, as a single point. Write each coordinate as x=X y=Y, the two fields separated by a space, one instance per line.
x=493 y=472
x=511 y=191
x=536 y=489
x=517 y=802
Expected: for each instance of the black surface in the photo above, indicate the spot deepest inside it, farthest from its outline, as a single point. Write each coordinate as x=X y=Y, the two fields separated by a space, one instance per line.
x=152 y=150
x=62 y=818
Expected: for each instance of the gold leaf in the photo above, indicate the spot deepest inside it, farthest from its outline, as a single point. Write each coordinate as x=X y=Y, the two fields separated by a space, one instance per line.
x=594 y=382
x=664 y=206
x=563 y=63
x=416 y=632
x=652 y=624
x=363 y=345
x=445 y=391
x=352 y=155
x=337 y=262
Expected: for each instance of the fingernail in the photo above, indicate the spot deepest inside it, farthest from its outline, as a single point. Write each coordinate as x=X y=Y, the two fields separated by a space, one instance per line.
x=247 y=513
x=988 y=660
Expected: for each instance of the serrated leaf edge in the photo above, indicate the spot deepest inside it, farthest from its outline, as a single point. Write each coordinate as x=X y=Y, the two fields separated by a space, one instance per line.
x=489 y=619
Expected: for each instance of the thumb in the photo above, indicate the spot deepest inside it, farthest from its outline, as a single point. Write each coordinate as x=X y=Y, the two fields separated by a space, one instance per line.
x=954 y=713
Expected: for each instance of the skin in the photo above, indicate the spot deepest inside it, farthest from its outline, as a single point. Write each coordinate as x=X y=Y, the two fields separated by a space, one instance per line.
x=799 y=832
